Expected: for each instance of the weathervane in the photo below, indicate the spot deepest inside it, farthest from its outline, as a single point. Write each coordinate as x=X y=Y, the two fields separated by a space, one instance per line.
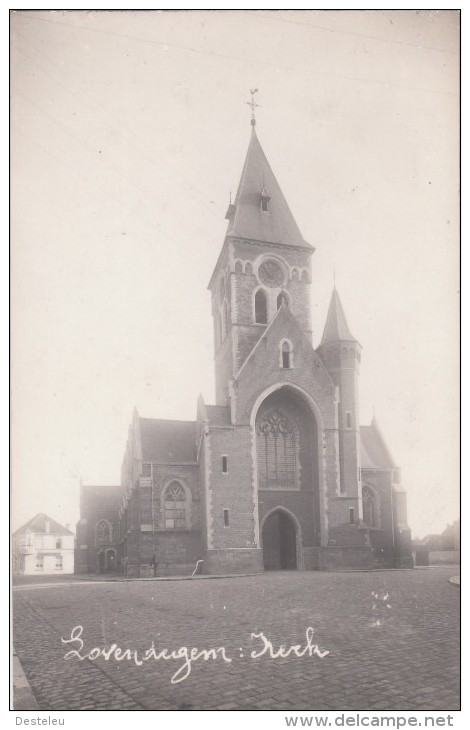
x=253 y=105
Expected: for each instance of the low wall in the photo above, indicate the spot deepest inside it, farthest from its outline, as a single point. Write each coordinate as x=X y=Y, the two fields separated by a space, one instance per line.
x=444 y=557
x=227 y=562
x=338 y=557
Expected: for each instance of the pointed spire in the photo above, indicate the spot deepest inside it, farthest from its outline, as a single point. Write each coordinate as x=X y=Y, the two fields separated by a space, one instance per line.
x=336 y=327
x=260 y=211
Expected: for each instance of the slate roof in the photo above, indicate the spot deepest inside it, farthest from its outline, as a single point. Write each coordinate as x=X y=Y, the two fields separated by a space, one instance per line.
x=336 y=327
x=247 y=219
x=219 y=415
x=37 y=524
x=374 y=452
x=109 y=495
x=168 y=441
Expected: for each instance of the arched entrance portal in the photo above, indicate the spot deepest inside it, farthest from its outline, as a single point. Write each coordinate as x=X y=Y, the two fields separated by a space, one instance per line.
x=279 y=542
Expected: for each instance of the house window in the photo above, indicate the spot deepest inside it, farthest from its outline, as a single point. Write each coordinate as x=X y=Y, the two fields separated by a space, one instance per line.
x=282 y=299
x=226 y=518
x=348 y=419
x=286 y=355
x=351 y=515
x=261 y=307
x=175 y=507
x=39 y=562
x=146 y=470
x=264 y=204
x=58 y=543
x=59 y=563
x=103 y=533
x=278 y=451
x=224 y=464
x=359 y=475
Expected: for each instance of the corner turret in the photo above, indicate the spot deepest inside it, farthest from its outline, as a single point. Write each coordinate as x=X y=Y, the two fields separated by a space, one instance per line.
x=341 y=354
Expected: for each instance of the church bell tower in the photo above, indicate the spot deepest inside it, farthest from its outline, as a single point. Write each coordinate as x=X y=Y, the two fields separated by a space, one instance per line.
x=264 y=263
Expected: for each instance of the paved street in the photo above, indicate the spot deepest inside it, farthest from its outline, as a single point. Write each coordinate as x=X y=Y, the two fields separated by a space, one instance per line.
x=395 y=650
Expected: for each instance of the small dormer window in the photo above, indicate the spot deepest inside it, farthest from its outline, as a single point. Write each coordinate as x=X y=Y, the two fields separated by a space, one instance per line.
x=265 y=198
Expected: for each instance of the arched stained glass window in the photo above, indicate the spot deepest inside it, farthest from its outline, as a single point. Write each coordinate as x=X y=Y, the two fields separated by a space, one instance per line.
x=103 y=533
x=278 y=451
x=175 y=507
x=369 y=507
x=261 y=307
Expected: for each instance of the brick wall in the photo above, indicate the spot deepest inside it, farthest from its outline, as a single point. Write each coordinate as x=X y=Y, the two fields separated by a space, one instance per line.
x=263 y=370
x=147 y=534
x=232 y=491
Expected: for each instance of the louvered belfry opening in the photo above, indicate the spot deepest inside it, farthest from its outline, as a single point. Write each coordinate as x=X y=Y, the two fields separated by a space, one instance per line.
x=261 y=307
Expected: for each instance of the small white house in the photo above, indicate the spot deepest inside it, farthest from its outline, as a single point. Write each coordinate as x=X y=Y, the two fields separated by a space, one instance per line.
x=43 y=547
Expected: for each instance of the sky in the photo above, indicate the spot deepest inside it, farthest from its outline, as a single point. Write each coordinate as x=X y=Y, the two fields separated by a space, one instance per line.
x=128 y=132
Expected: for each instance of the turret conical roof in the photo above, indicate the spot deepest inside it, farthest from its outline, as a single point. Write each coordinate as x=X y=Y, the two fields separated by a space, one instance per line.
x=336 y=327
x=247 y=218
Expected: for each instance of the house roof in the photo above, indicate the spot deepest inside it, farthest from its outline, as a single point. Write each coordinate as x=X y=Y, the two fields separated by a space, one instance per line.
x=219 y=415
x=336 y=327
x=168 y=441
x=374 y=452
x=37 y=524
x=246 y=217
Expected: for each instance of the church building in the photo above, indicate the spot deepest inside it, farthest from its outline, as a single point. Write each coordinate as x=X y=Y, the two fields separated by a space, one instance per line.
x=278 y=474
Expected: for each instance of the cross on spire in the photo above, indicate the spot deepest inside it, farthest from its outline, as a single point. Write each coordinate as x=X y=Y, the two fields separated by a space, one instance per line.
x=253 y=105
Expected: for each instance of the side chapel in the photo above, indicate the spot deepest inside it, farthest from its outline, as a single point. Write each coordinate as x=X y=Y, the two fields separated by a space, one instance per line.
x=278 y=474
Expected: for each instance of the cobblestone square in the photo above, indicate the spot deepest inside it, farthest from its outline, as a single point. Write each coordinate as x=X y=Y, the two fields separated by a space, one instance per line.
x=395 y=650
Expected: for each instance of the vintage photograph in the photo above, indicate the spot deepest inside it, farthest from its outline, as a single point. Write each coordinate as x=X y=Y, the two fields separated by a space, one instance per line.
x=235 y=360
